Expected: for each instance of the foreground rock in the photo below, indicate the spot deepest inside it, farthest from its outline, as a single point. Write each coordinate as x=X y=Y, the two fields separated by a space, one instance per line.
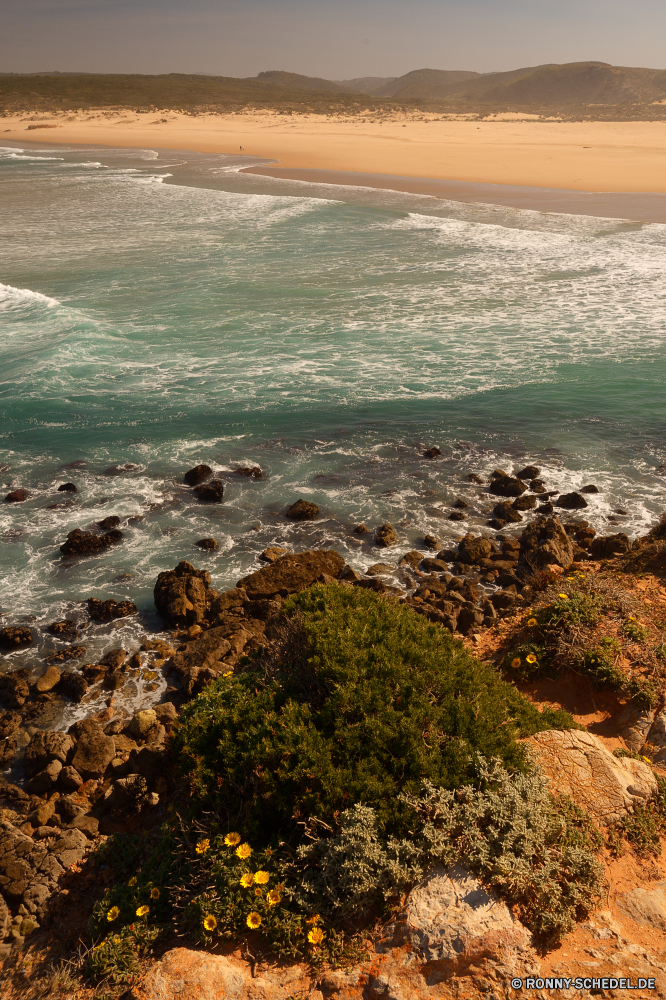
x=545 y=543
x=578 y=764
x=29 y=871
x=292 y=573
x=181 y=593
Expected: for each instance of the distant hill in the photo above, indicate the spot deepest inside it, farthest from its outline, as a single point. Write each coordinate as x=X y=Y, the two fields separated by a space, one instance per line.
x=366 y=84
x=294 y=81
x=425 y=83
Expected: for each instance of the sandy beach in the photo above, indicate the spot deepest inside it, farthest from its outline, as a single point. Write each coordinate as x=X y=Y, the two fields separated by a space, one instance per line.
x=576 y=156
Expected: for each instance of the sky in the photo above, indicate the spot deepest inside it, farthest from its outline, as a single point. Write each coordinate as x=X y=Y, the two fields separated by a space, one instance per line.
x=336 y=39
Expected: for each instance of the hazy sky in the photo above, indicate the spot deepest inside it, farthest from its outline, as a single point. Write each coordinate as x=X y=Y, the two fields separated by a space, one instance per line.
x=336 y=39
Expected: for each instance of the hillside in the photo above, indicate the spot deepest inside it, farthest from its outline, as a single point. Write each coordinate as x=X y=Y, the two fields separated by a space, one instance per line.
x=295 y=81
x=425 y=84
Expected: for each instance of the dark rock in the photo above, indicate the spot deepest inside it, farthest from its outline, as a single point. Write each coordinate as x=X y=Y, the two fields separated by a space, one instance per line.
x=473 y=478
x=361 y=529
x=584 y=537
x=73 y=685
x=7 y=752
x=432 y=452
x=433 y=566
x=571 y=501
x=121 y=470
x=13 y=690
x=468 y=620
x=591 y=488
x=127 y=795
x=210 y=492
x=65 y=628
x=107 y=611
x=497 y=523
x=273 y=553
x=70 y=779
x=507 y=512
x=15 y=637
x=502 y=600
x=112 y=521
x=78 y=463
x=545 y=543
x=473 y=548
x=17 y=496
x=254 y=471
x=85 y=543
x=461 y=504
x=349 y=574
x=605 y=547
x=231 y=601
x=524 y=503
x=498 y=474
x=114 y=680
x=374 y=583
x=68 y=807
x=67 y=488
x=166 y=713
x=210 y=544
x=197 y=475
x=385 y=536
x=292 y=573
x=537 y=486
x=94 y=750
x=448 y=555
x=9 y=723
x=379 y=569
x=545 y=508
x=529 y=472
x=431 y=542
x=70 y=653
x=181 y=594
x=44 y=781
x=114 y=658
x=45 y=747
x=202 y=660
x=456 y=515
x=507 y=486
x=303 y=510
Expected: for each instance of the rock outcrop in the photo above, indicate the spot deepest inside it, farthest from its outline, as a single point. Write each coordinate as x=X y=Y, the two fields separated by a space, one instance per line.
x=292 y=573
x=181 y=594
x=86 y=543
x=545 y=543
x=303 y=510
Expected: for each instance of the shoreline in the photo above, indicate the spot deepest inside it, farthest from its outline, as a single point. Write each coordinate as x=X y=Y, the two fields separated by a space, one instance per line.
x=594 y=157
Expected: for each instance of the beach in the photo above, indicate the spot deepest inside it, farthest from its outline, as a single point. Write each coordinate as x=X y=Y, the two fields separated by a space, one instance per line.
x=574 y=156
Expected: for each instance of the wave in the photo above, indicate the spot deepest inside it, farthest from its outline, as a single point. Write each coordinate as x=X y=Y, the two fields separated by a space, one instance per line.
x=11 y=297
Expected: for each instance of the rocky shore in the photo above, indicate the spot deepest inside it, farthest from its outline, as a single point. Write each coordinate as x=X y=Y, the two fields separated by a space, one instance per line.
x=67 y=788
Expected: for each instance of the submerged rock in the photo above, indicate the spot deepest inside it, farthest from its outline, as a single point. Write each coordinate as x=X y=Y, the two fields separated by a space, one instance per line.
x=386 y=536
x=571 y=501
x=432 y=452
x=529 y=472
x=17 y=496
x=303 y=510
x=67 y=488
x=210 y=492
x=197 y=475
x=250 y=471
x=15 y=637
x=85 y=543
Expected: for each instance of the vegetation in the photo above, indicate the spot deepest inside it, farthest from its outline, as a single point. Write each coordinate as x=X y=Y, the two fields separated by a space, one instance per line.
x=362 y=701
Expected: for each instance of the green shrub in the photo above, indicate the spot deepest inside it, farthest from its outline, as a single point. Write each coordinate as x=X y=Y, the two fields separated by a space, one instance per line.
x=526 y=661
x=572 y=610
x=364 y=700
x=635 y=631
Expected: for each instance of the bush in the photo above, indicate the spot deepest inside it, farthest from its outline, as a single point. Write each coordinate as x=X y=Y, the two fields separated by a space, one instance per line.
x=572 y=610
x=363 y=700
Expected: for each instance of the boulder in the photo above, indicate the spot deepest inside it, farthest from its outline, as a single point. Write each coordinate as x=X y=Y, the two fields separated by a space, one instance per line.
x=578 y=764
x=197 y=475
x=431 y=542
x=69 y=653
x=127 y=795
x=273 y=553
x=606 y=546
x=181 y=594
x=186 y=973
x=451 y=922
x=545 y=543
x=524 y=503
x=250 y=471
x=66 y=628
x=13 y=690
x=114 y=658
x=529 y=472
x=9 y=723
x=634 y=725
x=73 y=685
x=48 y=680
x=456 y=515
x=15 y=637
x=432 y=566
x=210 y=492
x=67 y=488
x=292 y=573
x=591 y=488
x=646 y=906
x=507 y=513
x=303 y=510
x=538 y=486
x=142 y=722
x=380 y=569
x=45 y=747
x=8 y=747
x=85 y=543
x=70 y=779
x=433 y=452
x=17 y=496
x=654 y=744
x=411 y=559
x=473 y=548
x=209 y=544
x=94 y=750
x=44 y=781
x=507 y=486
x=385 y=536
x=571 y=501
x=107 y=611
x=112 y=521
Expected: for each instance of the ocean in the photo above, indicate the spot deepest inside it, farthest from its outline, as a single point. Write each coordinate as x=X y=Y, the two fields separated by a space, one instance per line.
x=159 y=310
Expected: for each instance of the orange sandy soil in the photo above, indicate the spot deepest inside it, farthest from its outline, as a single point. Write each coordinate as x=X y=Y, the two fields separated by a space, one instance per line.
x=503 y=149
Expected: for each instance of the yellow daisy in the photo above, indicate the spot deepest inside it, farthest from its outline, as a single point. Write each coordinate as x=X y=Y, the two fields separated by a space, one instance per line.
x=532 y=621
x=132 y=881
x=116 y=939
x=143 y=911
x=210 y=923
x=155 y=893
x=515 y=663
x=246 y=880
x=232 y=839
x=316 y=935
x=313 y=919
x=253 y=920
x=244 y=851
x=565 y=597
x=203 y=846
x=261 y=878
x=113 y=913
x=228 y=673
x=273 y=897
x=531 y=658
x=258 y=891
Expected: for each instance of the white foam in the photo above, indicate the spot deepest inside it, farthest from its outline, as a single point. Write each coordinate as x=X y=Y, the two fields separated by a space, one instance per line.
x=10 y=297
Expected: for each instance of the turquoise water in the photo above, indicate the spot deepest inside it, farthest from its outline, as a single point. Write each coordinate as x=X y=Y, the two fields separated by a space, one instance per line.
x=162 y=310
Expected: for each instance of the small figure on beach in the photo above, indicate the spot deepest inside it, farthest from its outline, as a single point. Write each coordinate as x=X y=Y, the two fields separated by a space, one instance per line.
x=242 y=149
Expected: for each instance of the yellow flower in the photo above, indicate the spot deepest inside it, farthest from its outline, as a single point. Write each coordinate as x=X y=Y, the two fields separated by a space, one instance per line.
x=113 y=913
x=565 y=597
x=261 y=878
x=515 y=663
x=532 y=621
x=228 y=673
x=316 y=935
x=273 y=897
x=246 y=880
x=116 y=939
x=202 y=846
x=647 y=760
x=210 y=923
x=232 y=839
x=132 y=881
x=155 y=893
x=258 y=892
x=244 y=851
x=314 y=919
x=632 y=618
x=253 y=920
x=142 y=911
x=531 y=658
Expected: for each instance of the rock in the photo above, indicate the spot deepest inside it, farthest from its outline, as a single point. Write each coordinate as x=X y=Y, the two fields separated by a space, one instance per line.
x=5 y=920
x=9 y=723
x=65 y=628
x=272 y=554
x=654 y=745
x=450 y=919
x=589 y=489
x=545 y=508
x=86 y=824
x=379 y=569
x=45 y=780
x=473 y=548
x=524 y=503
x=434 y=452
x=529 y=472
x=13 y=690
x=571 y=501
x=42 y=814
x=142 y=722
x=361 y=529
x=69 y=653
x=507 y=513
x=121 y=470
x=181 y=594
x=538 y=486
x=70 y=779
x=8 y=747
x=67 y=488
x=473 y=478
x=186 y=973
x=303 y=510
x=197 y=475
x=349 y=575
x=126 y=795
x=433 y=566
x=462 y=504
x=606 y=546
x=85 y=543
x=114 y=680
x=507 y=486
x=114 y=658
x=15 y=637
x=411 y=559
x=48 y=680
x=431 y=542
x=502 y=600
x=17 y=496
x=210 y=492
x=107 y=611
x=634 y=725
x=456 y=515
x=94 y=750
x=166 y=713
x=545 y=543
x=646 y=906
x=112 y=521
x=250 y=471
x=222 y=604
x=578 y=764
x=448 y=555
x=73 y=685
x=385 y=536
x=292 y=573
x=210 y=544
x=45 y=747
